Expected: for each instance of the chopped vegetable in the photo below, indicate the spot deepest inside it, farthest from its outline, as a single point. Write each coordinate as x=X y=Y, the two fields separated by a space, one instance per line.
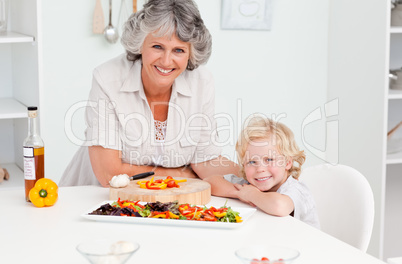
x=266 y=260
x=44 y=193
x=170 y=210
x=160 y=184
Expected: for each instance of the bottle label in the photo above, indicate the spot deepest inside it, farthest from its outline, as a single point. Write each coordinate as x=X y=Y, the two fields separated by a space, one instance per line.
x=29 y=163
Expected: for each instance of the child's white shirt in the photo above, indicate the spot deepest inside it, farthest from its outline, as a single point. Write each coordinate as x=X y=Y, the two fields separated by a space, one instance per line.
x=305 y=209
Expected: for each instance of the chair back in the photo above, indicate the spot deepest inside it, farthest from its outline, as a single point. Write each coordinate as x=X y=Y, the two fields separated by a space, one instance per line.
x=344 y=200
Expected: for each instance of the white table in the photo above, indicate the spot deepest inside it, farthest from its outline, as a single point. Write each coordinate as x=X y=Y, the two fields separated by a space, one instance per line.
x=50 y=235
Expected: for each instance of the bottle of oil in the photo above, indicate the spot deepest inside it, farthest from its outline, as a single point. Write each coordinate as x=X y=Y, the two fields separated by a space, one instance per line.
x=34 y=162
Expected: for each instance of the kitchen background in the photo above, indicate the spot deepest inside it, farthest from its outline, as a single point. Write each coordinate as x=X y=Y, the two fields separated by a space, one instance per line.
x=323 y=68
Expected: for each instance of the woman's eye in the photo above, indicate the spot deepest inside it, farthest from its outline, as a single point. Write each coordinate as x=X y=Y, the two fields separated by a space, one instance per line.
x=179 y=50
x=157 y=46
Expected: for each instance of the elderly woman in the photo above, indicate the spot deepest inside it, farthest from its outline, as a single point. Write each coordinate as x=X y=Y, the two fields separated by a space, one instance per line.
x=152 y=108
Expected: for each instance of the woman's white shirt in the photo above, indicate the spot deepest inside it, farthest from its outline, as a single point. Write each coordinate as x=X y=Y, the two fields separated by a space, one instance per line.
x=118 y=117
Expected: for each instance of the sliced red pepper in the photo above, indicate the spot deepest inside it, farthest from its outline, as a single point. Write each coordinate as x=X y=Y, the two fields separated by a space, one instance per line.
x=149 y=186
x=137 y=203
x=208 y=217
x=120 y=203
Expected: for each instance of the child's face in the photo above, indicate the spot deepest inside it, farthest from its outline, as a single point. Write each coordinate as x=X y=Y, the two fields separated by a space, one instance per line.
x=264 y=166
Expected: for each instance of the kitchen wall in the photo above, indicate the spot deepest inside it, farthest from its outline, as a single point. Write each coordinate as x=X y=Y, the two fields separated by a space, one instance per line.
x=281 y=72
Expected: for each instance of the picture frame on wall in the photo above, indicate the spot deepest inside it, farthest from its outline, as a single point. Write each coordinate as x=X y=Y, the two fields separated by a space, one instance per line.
x=246 y=14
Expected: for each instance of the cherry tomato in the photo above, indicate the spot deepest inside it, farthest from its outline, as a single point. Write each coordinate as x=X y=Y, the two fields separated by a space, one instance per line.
x=171 y=184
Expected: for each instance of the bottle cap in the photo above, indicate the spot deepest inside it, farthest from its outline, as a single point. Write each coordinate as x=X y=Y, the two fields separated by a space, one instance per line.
x=32 y=111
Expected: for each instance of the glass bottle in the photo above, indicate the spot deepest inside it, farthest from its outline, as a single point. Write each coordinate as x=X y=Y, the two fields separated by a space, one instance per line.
x=34 y=161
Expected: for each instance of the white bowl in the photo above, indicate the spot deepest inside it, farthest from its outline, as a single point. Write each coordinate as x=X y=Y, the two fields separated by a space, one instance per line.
x=254 y=254
x=106 y=251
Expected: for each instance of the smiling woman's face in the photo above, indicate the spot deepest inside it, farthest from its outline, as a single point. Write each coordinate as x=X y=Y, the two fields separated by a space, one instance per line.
x=163 y=59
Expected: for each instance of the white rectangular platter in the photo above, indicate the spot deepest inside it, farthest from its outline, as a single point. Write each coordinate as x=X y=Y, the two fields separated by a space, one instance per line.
x=244 y=213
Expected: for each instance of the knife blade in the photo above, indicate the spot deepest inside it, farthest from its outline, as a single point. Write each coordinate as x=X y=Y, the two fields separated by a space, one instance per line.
x=141 y=175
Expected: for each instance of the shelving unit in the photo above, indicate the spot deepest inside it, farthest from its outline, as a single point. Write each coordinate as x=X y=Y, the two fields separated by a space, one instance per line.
x=394 y=158
x=14 y=37
x=11 y=108
x=395 y=94
x=15 y=181
x=20 y=87
x=395 y=30
x=392 y=212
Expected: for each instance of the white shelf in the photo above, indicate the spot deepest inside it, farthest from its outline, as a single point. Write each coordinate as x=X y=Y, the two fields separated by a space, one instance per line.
x=395 y=30
x=16 y=177
x=394 y=158
x=395 y=94
x=14 y=37
x=11 y=108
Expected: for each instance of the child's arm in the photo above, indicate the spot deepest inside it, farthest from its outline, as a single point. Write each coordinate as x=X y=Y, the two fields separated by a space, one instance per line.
x=272 y=203
x=221 y=187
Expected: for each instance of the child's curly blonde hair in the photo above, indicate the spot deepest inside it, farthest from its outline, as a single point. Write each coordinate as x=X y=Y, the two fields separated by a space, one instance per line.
x=261 y=128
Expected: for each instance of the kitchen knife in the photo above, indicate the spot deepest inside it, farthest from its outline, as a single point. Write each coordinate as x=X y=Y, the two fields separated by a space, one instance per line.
x=141 y=175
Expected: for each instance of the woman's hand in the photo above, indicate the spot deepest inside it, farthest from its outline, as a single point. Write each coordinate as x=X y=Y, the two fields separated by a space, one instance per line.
x=107 y=163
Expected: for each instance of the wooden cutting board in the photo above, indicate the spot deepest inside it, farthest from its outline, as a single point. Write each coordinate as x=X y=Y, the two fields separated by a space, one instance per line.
x=193 y=191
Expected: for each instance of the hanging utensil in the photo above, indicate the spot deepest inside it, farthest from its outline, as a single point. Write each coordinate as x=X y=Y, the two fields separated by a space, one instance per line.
x=111 y=33
x=134 y=6
x=98 y=23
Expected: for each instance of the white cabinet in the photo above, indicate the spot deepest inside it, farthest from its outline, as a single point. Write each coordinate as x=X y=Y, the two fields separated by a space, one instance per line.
x=358 y=66
x=19 y=84
x=361 y=53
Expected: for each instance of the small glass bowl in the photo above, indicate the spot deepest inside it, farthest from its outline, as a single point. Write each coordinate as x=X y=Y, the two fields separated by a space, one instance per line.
x=107 y=251
x=255 y=254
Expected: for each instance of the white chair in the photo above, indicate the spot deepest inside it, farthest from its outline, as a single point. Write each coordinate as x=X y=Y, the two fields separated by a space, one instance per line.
x=344 y=200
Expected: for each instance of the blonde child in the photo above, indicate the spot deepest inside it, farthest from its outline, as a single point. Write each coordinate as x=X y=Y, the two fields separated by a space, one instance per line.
x=268 y=155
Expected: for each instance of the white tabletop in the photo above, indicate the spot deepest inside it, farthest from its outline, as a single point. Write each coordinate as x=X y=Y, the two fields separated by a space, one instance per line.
x=50 y=235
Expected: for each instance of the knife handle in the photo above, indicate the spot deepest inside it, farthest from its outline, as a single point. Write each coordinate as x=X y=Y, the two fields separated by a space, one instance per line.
x=142 y=175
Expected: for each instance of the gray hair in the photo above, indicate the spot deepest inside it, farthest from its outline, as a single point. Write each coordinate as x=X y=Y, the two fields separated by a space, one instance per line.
x=164 y=18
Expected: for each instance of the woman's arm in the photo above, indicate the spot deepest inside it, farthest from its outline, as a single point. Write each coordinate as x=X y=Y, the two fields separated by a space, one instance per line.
x=218 y=166
x=221 y=187
x=107 y=163
x=272 y=203
x=213 y=170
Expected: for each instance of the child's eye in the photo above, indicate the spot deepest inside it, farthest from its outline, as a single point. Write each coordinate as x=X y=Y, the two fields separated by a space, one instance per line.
x=268 y=160
x=251 y=162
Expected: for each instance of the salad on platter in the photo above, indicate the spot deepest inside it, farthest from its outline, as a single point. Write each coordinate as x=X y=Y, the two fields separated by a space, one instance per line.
x=169 y=210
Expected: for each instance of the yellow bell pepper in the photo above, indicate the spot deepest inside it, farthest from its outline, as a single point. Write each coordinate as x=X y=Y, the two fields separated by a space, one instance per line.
x=219 y=215
x=173 y=216
x=44 y=193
